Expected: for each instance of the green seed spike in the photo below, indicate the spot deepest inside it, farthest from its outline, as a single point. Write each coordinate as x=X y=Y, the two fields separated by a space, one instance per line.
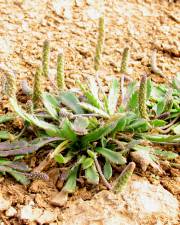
x=168 y=101
x=29 y=107
x=60 y=71
x=37 y=89
x=10 y=82
x=10 y=85
x=143 y=97
x=99 y=46
x=125 y=60
x=124 y=178
x=45 y=58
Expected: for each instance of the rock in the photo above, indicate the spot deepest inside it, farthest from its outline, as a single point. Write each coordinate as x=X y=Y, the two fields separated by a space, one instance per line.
x=11 y=212
x=30 y=213
x=147 y=200
x=4 y=204
x=141 y=203
x=47 y=217
x=59 y=199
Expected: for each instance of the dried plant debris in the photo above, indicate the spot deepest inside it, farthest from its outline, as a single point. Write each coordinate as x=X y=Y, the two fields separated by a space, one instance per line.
x=91 y=132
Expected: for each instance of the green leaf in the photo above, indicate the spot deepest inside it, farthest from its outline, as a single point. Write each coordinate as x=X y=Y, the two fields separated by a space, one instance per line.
x=176 y=81
x=6 y=118
x=120 y=125
x=107 y=170
x=71 y=101
x=80 y=124
x=160 y=107
x=149 y=88
x=114 y=157
x=176 y=129
x=92 y=175
x=98 y=133
x=158 y=123
x=87 y=163
x=70 y=185
x=5 y=135
x=133 y=101
x=61 y=159
x=168 y=155
x=162 y=138
x=20 y=177
x=67 y=131
x=93 y=109
x=93 y=87
x=49 y=102
x=113 y=96
x=51 y=129
x=93 y=100
x=138 y=125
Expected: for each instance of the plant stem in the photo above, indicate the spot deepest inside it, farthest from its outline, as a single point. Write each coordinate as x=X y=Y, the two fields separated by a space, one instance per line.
x=98 y=167
x=143 y=97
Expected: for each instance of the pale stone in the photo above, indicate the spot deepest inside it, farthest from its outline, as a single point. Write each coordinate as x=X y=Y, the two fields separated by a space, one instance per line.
x=11 y=212
x=47 y=217
x=4 y=204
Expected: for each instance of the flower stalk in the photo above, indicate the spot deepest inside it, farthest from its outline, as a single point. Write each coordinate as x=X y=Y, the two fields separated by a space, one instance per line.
x=143 y=97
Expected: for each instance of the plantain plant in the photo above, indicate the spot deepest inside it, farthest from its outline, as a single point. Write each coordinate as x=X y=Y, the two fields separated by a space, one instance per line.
x=93 y=133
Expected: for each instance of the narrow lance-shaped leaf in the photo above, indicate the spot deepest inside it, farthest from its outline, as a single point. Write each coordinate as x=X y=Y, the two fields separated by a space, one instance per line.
x=45 y=58
x=70 y=185
x=168 y=100
x=93 y=109
x=5 y=135
x=6 y=145
x=6 y=118
x=124 y=178
x=27 y=149
x=49 y=106
x=143 y=97
x=67 y=131
x=87 y=163
x=99 y=46
x=71 y=101
x=17 y=165
x=92 y=175
x=98 y=133
x=113 y=96
x=107 y=170
x=112 y=156
x=90 y=97
x=20 y=177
